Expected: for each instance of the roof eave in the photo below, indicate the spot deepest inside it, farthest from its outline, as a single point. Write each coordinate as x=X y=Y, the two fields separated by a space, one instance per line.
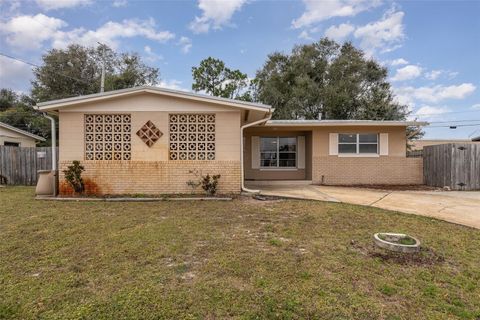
x=22 y=132
x=57 y=104
x=345 y=123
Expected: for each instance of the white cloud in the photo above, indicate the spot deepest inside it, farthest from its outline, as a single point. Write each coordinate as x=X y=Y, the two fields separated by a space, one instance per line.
x=433 y=75
x=317 y=11
x=186 y=44
x=407 y=73
x=111 y=32
x=61 y=4
x=429 y=111
x=150 y=55
x=14 y=74
x=398 y=62
x=434 y=94
x=385 y=34
x=216 y=14
x=172 y=84
x=476 y=106
x=119 y=3
x=147 y=49
x=10 y=7
x=339 y=32
x=305 y=35
x=29 y=32
x=452 y=74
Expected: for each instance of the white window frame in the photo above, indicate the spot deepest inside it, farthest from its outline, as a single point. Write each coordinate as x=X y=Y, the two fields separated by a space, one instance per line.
x=357 y=144
x=278 y=167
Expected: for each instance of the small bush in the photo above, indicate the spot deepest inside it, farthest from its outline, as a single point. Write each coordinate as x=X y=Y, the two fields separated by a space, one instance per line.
x=73 y=175
x=209 y=184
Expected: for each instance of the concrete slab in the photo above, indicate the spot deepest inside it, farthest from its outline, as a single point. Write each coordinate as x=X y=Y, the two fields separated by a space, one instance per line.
x=462 y=207
x=445 y=206
x=308 y=192
x=353 y=195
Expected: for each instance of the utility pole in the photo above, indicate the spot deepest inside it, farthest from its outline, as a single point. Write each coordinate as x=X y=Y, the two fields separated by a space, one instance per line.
x=102 y=81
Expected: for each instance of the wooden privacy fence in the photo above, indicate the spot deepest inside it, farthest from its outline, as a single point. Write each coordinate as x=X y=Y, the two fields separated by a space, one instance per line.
x=453 y=165
x=20 y=165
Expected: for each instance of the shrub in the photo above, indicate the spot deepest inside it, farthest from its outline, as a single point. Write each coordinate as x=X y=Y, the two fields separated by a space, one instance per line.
x=73 y=175
x=209 y=184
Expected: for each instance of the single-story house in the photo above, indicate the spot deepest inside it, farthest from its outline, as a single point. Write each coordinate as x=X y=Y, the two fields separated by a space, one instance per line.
x=150 y=140
x=14 y=137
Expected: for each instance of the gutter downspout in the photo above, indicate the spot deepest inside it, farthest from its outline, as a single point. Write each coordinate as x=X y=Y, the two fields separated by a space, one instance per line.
x=54 y=152
x=242 y=169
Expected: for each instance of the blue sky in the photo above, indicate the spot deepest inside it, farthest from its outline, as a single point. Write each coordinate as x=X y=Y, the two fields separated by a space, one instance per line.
x=431 y=48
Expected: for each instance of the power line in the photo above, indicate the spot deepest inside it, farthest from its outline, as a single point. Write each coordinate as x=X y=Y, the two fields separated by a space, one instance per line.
x=460 y=125
x=34 y=65
x=430 y=115
x=473 y=120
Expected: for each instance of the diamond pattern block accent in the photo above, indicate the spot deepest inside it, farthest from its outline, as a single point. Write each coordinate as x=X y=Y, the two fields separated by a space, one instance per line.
x=149 y=133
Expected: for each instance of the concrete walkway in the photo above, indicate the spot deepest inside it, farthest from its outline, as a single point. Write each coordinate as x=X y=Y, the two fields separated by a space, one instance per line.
x=462 y=207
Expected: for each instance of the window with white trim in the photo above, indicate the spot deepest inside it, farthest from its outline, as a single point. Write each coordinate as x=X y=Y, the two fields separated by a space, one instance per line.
x=358 y=143
x=278 y=152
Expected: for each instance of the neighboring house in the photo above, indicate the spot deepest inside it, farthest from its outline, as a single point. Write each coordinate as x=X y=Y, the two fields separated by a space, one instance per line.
x=149 y=140
x=11 y=136
x=419 y=144
x=476 y=139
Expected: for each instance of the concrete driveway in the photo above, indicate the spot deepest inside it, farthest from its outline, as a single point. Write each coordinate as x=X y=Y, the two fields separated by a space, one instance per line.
x=462 y=207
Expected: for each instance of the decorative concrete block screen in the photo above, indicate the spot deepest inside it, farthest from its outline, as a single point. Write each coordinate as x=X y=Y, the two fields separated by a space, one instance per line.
x=108 y=137
x=192 y=136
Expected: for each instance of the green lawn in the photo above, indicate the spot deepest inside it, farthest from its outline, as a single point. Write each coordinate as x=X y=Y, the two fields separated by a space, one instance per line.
x=241 y=259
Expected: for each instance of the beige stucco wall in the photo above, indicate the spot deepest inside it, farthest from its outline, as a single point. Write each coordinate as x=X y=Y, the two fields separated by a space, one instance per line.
x=150 y=170
x=12 y=136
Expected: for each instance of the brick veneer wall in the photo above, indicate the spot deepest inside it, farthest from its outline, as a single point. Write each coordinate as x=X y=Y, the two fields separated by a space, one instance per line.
x=155 y=177
x=355 y=170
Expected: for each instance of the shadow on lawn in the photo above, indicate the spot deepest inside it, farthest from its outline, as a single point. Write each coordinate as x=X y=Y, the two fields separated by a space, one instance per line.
x=425 y=257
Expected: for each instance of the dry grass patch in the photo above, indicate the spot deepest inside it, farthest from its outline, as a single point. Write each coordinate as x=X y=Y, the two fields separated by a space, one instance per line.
x=238 y=259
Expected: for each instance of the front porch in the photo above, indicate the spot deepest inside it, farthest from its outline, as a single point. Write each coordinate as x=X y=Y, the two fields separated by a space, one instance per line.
x=275 y=155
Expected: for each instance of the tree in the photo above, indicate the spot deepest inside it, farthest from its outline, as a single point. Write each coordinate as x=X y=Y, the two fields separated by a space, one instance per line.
x=327 y=80
x=213 y=77
x=8 y=98
x=77 y=71
x=17 y=110
x=129 y=72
